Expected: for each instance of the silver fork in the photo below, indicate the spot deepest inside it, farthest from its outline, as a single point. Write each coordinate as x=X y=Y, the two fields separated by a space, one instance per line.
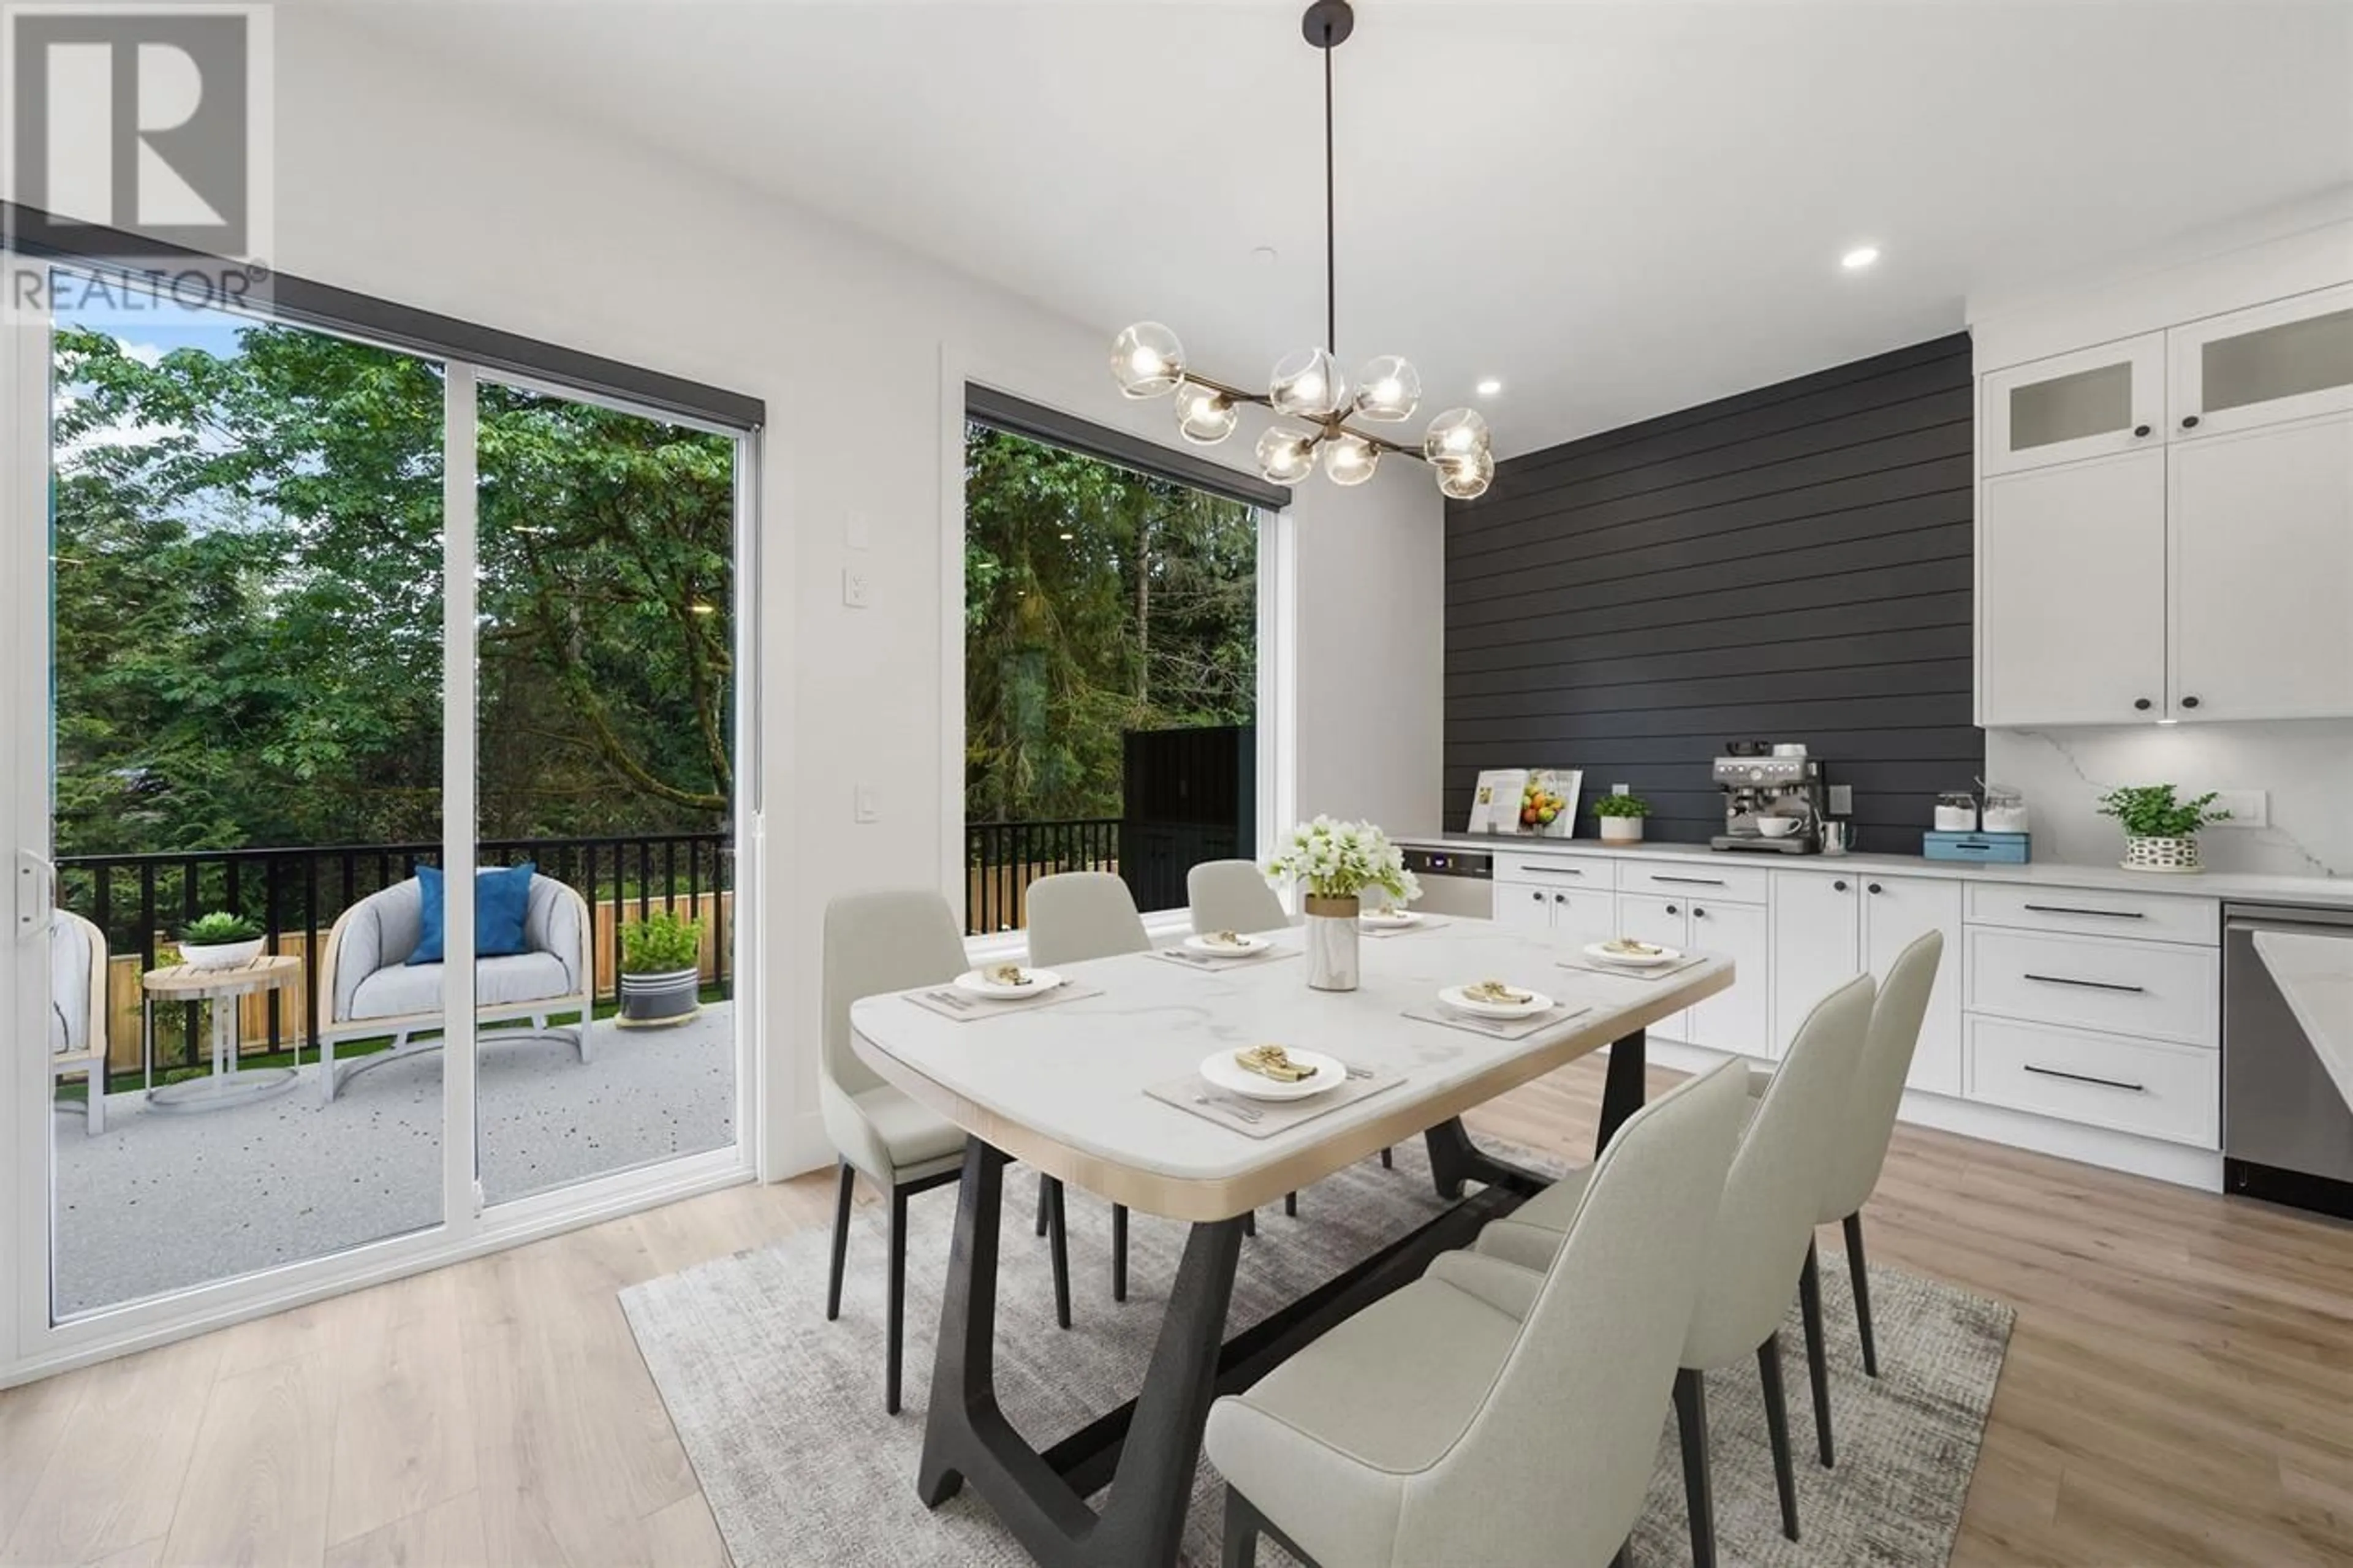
x=1239 y=1112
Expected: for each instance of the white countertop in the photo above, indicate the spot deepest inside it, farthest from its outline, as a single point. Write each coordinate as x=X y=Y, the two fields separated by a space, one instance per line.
x=1075 y=1073
x=2334 y=893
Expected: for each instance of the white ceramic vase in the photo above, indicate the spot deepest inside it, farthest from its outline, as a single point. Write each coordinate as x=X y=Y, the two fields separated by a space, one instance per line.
x=1621 y=829
x=1332 y=943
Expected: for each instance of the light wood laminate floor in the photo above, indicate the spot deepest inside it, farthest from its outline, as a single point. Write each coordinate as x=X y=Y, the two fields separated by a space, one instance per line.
x=2179 y=1388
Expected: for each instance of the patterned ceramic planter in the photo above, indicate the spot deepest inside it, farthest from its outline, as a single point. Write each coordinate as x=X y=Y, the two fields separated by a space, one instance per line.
x=671 y=998
x=2174 y=854
x=1332 y=943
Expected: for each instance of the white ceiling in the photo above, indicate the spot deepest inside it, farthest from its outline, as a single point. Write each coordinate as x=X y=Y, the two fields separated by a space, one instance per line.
x=1619 y=209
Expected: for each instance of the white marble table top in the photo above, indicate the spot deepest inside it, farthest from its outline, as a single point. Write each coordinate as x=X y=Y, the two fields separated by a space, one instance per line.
x=1062 y=1087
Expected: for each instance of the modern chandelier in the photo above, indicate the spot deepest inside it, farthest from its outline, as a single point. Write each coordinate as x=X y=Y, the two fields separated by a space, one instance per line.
x=1307 y=385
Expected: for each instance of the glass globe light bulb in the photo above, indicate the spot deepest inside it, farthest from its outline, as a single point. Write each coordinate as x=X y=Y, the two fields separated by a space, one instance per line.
x=1350 y=459
x=1456 y=433
x=1388 y=389
x=1204 y=417
x=1308 y=385
x=1286 y=457
x=1147 y=360
x=1466 y=478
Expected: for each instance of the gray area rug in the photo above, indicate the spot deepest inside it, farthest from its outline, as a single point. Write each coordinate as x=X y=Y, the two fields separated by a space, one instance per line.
x=158 y=1202
x=781 y=1411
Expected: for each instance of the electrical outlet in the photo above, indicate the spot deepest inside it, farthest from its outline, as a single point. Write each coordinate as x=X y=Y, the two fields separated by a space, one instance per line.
x=1621 y=789
x=854 y=592
x=2248 y=807
x=866 y=803
x=1841 y=802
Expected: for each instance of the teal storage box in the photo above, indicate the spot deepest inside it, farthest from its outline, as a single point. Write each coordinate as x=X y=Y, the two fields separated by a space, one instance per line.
x=1993 y=849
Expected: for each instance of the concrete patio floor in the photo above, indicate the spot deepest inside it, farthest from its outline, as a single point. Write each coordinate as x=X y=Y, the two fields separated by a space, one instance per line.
x=160 y=1202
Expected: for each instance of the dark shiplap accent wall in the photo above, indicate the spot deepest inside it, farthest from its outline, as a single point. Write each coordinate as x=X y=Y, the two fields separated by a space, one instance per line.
x=1788 y=564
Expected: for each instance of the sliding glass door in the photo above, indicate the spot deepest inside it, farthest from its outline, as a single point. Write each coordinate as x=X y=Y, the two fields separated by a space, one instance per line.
x=374 y=779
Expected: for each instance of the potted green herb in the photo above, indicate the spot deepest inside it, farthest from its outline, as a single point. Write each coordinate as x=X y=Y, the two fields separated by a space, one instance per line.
x=661 y=969
x=2160 y=832
x=219 y=941
x=1621 y=818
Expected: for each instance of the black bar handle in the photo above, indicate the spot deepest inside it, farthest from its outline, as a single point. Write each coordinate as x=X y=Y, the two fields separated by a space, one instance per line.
x=2085 y=1078
x=1553 y=870
x=1688 y=882
x=2072 y=909
x=2088 y=984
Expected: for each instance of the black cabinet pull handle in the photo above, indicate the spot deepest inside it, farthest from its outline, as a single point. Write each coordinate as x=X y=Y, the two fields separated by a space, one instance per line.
x=2190 y=422
x=1839 y=886
x=1539 y=897
x=1559 y=897
x=2139 y=431
x=2088 y=984
x=2084 y=1077
x=1688 y=882
x=1553 y=871
x=2190 y=702
x=1871 y=887
x=2142 y=703
x=2072 y=909
x=1698 y=913
x=1673 y=911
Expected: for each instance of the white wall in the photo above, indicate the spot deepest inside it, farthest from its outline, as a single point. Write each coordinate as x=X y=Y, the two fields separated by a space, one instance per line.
x=2306 y=769
x=408 y=179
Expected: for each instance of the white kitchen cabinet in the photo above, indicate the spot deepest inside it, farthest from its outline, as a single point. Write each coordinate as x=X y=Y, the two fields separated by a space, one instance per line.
x=1740 y=1019
x=2070 y=592
x=1816 y=945
x=2090 y=403
x=1522 y=907
x=1896 y=912
x=1585 y=914
x=2260 y=526
x=1665 y=923
x=2289 y=359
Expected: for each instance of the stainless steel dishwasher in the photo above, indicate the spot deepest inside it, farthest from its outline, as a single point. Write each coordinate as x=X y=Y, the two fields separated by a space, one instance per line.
x=2287 y=1056
x=1454 y=881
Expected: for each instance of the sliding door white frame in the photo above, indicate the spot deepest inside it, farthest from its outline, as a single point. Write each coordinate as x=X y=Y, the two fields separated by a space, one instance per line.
x=32 y=1346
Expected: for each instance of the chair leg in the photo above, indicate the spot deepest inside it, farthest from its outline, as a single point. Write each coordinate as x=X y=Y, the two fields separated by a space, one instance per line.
x=1241 y=1532
x=1041 y=1204
x=1699 y=1496
x=898 y=1311
x=1057 y=1241
x=841 y=1242
x=1389 y=1162
x=1291 y=1205
x=1776 y=1427
x=1119 y=1252
x=1249 y=1223
x=1860 y=1274
x=1818 y=1366
x=1625 y=1558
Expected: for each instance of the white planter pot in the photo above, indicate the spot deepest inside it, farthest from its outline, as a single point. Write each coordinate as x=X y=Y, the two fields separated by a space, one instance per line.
x=2177 y=856
x=219 y=955
x=1331 y=940
x=669 y=998
x=1621 y=829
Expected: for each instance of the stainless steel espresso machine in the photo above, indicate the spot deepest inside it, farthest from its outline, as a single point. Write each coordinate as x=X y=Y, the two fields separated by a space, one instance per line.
x=1774 y=798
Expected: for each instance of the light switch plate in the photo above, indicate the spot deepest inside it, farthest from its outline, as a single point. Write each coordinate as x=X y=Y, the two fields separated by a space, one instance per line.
x=867 y=804
x=2248 y=807
x=854 y=531
x=854 y=591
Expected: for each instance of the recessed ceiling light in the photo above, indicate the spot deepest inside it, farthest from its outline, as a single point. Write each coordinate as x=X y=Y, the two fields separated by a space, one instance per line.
x=1861 y=256
x=1489 y=387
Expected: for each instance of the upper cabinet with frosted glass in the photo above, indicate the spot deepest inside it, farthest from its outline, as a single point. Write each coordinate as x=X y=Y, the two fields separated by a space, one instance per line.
x=2165 y=518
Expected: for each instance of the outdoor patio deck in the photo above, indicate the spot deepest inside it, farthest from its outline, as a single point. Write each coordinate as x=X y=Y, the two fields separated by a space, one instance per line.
x=161 y=1202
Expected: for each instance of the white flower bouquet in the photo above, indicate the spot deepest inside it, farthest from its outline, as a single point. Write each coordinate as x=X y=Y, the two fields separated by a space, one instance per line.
x=1342 y=859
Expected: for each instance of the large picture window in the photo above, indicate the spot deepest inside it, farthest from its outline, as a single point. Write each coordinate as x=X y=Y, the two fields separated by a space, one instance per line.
x=1111 y=674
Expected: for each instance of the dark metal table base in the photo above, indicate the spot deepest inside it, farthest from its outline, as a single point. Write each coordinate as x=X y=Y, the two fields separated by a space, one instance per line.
x=1147 y=1450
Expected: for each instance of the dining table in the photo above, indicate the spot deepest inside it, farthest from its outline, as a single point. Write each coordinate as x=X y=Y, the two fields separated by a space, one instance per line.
x=1090 y=1087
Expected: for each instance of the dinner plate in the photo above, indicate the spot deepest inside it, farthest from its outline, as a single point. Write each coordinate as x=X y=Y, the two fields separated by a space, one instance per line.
x=1600 y=951
x=1387 y=918
x=1222 y=1071
x=979 y=985
x=1243 y=946
x=1454 y=996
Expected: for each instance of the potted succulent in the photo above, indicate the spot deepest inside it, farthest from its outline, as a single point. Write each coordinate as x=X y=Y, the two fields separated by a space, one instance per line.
x=1621 y=818
x=1338 y=860
x=2160 y=832
x=219 y=941
x=661 y=969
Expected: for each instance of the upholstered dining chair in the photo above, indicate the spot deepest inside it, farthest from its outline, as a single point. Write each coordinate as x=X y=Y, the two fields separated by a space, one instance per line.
x=1486 y=1414
x=876 y=942
x=1756 y=1248
x=1858 y=1151
x=1232 y=895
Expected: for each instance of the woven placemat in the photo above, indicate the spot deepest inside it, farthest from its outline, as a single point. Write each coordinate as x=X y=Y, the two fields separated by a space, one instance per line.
x=950 y=1003
x=1265 y=1118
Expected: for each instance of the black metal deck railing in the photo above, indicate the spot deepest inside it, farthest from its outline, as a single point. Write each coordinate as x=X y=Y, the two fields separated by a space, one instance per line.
x=1002 y=859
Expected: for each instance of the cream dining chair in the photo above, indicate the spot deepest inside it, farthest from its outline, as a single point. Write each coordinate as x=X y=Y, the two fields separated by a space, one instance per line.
x=876 y=942
x=1757 y=1246
x=1485 y=1415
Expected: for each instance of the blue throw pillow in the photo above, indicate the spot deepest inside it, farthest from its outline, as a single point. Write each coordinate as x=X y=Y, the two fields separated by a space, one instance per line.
x=501 y=899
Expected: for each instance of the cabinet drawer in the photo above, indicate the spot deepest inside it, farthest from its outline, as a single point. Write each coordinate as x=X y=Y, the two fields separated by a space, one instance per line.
x=2146 y=917
x=1700 y=879
x=1555 y=870
x=2133 y=1086
x=2145 y=989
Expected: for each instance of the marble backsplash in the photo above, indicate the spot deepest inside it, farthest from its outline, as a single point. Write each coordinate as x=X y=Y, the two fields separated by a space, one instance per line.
x=2306 y=768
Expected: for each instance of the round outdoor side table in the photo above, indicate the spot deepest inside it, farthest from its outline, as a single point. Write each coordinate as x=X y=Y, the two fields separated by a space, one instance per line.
x=224 y=989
